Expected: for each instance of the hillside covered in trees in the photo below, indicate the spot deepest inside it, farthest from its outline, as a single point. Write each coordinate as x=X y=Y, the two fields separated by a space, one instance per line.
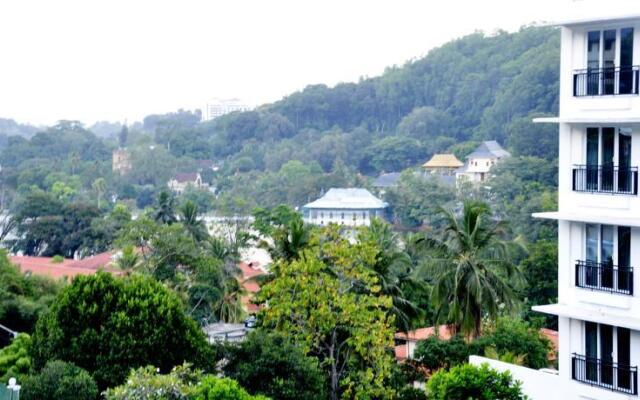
x=474 y=88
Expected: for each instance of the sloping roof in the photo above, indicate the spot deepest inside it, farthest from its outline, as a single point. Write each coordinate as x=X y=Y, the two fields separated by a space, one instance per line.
x=349 y=199
x=489 y=149
x=387 y=180
x=183 y=177
x=444 y=332
x=443 y=161
x=69 y=268
x=248 y=271
x=553 y=338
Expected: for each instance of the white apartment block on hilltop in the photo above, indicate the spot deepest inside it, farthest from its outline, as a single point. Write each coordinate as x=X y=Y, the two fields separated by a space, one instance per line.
x=598 y=215
x=219 y=107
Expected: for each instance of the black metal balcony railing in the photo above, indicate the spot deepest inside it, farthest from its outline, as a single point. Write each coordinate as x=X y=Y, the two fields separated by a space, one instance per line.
x=605 y=81
x=605 y=179
x=604 y=277
x=604 y=374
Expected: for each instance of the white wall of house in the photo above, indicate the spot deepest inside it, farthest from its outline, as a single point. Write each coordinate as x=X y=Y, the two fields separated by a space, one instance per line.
x=341 y=216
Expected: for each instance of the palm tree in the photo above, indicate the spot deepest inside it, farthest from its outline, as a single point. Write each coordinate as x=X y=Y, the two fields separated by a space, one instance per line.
x=471 y=267
x=229 y=308
x=288 y=240
x=100 y=186
x=189 y=218
x=165 y=208
x=393 y=268
x=129 y=259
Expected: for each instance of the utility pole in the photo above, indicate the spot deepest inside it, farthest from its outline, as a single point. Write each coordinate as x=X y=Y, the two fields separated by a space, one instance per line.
x=11 y=332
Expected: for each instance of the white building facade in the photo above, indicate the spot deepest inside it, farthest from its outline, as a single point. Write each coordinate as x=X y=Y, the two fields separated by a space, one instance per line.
x=348 y=206
x=598 y=213
x=480 y=162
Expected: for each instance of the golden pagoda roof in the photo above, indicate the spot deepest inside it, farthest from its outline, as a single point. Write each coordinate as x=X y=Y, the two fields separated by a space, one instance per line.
x=443 y=161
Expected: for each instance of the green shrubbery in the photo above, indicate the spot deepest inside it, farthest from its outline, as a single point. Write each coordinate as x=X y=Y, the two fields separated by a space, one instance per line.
x=182 y=383
x=467 y=381
x=108 y=325
x=509 y=337
x=14 y=359
x=59 y=380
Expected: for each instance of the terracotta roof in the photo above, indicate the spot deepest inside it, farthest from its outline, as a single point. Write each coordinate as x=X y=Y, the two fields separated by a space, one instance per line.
x=248 y=271
x=401 y=352
x=67 y=268
x=443 y=161
x=101 y=260
x=444 y=332
x=553 y=338
x=183 y=177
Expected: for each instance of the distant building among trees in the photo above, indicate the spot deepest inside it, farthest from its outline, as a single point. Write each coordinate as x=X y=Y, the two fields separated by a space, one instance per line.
x=180 y=181
x=121 y=161
x=345 y=206
x=480 y=162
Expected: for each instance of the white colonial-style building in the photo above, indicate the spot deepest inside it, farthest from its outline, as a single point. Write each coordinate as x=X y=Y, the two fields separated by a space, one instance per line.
x=480 y=162
x=598 y=215
x=350 y=207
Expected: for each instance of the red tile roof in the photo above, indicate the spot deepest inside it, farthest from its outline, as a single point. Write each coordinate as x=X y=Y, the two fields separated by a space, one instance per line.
x=248 y=271
x=553 y=338
x=444 y=332
x=401 y=352
x=69 y=268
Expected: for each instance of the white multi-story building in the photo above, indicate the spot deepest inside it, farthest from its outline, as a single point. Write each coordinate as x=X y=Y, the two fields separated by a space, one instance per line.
x=219 y=107
x=598 y=213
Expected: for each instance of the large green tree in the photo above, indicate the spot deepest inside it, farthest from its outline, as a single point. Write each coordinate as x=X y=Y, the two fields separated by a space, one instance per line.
x=328 y=301
x=272 y=365
x=108 y=325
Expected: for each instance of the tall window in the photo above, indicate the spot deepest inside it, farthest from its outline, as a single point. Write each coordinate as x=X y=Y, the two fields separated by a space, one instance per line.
x=608 y=159
x=608 y=254
x=609 y=345
x=603 y=55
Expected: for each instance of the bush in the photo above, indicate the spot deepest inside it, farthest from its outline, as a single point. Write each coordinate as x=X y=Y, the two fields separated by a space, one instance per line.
x=435 y=353
x=517 y=337
x=271 y=365
x=182 y=383
x=213 y=388
x=59 y=380
x=108 y=325
x=470 y=382
x=14 y=359
x=146 y=384
x=510 y=339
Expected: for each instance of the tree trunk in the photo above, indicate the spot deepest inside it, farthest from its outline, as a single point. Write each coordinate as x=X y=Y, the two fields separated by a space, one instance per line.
x=334 y=368
x=478 y=322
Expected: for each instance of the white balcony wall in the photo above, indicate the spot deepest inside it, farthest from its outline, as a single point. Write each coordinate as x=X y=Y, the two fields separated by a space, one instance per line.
x=572 y=152
x=574 y=57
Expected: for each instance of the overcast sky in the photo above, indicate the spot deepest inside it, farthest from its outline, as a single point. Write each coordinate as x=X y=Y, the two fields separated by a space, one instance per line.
x=124 y=59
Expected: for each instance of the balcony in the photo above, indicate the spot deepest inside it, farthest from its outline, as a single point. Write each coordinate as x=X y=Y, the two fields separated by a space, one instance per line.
x=604 y=277
x=604 y=374
x=605 y=179
x=606 y=81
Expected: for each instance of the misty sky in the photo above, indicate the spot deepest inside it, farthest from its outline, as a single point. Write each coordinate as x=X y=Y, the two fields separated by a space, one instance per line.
x=124 y=59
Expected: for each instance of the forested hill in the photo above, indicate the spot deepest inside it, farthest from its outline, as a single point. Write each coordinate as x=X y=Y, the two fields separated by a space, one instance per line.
x=474 y=88
x=477 y=87
x=476 y=84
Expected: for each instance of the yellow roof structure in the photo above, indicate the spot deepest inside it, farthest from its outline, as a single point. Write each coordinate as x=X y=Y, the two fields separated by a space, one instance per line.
x=443 y=161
